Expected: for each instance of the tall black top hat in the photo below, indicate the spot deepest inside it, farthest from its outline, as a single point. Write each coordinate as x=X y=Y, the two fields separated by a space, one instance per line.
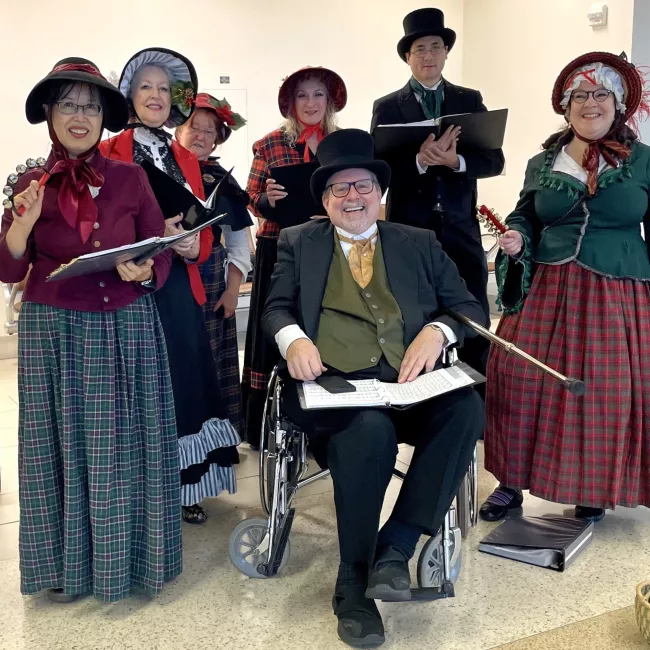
x=424 y=22
x=347 y=149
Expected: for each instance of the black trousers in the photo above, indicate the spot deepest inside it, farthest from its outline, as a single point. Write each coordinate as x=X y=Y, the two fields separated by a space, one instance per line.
x=360 y=446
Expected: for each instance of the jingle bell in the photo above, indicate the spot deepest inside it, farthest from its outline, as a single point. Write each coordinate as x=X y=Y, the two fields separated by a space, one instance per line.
x=31 y=163
x=6 y=204
x=7 y=191
x=21 y=169
x=12 y=179
x=41 y=162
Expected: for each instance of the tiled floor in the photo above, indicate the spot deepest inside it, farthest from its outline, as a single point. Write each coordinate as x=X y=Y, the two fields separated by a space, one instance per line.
x=499 y=604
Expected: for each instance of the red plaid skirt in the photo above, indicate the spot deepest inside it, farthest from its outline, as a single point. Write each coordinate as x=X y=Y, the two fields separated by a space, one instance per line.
x=592 y=450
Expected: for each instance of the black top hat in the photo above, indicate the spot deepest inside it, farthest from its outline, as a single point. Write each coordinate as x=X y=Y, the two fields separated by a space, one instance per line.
x=78 y=70
x=184 y=82
x=424 y=22
x=347 y=149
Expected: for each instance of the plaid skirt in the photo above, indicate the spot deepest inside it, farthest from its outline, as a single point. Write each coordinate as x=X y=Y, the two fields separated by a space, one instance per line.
x=98 y=454
x=592 y=450
x=260 y=355
x=223 y=338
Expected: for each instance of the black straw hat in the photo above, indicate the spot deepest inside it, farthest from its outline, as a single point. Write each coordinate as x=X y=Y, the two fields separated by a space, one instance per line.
x=77 y=70
x=347 y=149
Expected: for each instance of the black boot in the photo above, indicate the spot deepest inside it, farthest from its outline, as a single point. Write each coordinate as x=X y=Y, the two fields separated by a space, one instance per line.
x=360 y=624
x=592 y=514
x=502 y=501
x=390 y=579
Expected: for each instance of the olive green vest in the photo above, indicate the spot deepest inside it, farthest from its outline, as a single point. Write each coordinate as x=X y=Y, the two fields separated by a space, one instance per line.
x=357 y=326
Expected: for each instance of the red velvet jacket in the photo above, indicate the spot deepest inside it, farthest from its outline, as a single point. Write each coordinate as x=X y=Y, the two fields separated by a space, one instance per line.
x=120 y=147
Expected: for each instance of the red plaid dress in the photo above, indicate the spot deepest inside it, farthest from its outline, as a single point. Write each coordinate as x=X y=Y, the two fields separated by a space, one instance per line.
x=594 y=450
x=261 y=355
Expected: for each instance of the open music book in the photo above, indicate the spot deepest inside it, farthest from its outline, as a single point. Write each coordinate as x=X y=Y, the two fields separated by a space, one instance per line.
x=139 y=252
x=373 y=393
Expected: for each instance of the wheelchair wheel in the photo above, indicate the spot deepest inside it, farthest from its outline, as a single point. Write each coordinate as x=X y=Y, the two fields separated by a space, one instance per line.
x=244 y=540
x=430 y=562
x=463 y=512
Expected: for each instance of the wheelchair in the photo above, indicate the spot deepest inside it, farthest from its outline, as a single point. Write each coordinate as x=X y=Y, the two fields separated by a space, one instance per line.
x=260 y=548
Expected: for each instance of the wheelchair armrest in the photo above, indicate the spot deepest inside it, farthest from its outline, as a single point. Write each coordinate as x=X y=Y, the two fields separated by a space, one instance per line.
x=449 y=356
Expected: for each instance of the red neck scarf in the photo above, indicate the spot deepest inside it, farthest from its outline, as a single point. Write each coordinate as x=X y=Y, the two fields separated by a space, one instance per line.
x=308 y=130
x=74 y=198
x=611 y=150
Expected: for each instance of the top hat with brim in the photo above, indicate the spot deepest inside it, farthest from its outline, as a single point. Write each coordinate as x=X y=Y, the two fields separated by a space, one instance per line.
x=75 y=70
x=228 y=120
x=332 y=81
x=424 y=22
x=347 y=149
x=184 y=82
x=632 y=81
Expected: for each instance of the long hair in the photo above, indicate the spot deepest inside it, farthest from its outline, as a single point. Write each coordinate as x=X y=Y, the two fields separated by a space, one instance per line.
x=620 y=132
x=292 y=128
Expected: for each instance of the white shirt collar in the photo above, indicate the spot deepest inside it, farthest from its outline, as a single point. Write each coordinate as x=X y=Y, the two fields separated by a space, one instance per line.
x=431 y=87
x=371 y=232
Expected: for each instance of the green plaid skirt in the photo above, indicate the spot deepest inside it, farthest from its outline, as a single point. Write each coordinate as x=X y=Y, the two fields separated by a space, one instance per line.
x=98 y=453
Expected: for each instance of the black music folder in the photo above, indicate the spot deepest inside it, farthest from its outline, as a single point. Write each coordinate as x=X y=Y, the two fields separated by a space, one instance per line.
x=549 y=542
x=139 y=252
x=299 y=204
x=479 y=131
x=174 y=198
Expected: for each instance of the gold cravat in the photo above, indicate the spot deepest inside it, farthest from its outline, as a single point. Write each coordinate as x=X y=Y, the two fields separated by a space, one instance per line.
x=360 y=258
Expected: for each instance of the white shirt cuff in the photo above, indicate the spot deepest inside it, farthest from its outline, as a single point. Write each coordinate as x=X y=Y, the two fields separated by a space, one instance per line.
x=462 y=165
x=421 y=169
x=286 y=336
x=238 y=251
x=447 y=331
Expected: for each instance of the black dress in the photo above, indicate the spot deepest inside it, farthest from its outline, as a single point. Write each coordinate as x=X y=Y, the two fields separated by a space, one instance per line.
x=207 y=440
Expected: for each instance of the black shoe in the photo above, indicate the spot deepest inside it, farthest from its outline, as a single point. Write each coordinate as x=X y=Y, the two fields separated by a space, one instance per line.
x=390 y=579
x=592 y=514
x=57 y=596
x=502 y=501
x=360 y=624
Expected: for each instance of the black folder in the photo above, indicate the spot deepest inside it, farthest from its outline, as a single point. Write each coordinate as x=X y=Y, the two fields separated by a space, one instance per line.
x=174 y=198
x=479 y=132
x=550 y=542
x=299 y=204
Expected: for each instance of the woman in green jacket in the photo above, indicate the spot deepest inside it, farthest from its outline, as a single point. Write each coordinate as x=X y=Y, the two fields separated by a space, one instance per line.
x=574 y=284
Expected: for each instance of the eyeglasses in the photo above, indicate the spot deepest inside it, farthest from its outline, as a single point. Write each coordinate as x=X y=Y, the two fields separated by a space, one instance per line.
x=581 y=96
x=341 y=190
x=206 y=133
x=421 y=52
x=70 y=108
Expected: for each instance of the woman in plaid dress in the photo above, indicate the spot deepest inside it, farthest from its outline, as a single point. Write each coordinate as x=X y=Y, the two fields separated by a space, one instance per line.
x=574 y=281
x=210 y=125
x=98 y=460
x=308 y=100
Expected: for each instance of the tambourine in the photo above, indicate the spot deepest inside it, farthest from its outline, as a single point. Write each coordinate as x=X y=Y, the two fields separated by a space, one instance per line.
x=12 y=179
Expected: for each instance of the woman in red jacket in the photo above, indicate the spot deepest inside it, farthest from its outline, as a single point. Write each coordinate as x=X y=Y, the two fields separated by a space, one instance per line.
x=160 y=86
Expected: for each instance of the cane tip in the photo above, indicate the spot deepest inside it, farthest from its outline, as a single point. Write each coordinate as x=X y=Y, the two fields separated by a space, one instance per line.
x=576 y=387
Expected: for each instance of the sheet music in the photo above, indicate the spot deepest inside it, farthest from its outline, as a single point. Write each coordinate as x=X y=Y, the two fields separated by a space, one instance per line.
x=372 y=393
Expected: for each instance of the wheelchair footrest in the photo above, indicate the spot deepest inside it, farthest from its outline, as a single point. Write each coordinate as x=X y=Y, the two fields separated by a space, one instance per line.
x=433 y=593
x=277 y=553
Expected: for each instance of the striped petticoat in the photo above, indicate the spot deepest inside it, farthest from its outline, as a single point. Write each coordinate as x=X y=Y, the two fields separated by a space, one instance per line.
x=98 y=452
x=592 y=450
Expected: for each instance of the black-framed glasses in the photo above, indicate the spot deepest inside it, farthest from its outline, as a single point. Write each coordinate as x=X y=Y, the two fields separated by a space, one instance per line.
x=421 y=51
x=341 y=190
x=70 y=108
x=581 y=96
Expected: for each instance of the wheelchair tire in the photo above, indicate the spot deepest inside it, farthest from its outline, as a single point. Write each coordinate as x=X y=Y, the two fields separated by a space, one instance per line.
x=245 y=537
x=463 y=511
x=430 y=562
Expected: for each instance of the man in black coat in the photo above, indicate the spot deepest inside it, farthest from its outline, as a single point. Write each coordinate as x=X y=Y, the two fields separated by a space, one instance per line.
x=354 y=297
x=433 y=185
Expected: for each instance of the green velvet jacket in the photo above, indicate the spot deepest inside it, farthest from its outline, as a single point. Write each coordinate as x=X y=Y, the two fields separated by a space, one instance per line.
x=561 y=223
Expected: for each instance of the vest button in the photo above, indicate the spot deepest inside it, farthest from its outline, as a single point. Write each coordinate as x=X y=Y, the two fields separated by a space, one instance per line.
x=95 y=225
x=382 y=341
x=382 y=321
x=105 y=298
x=373 y=359
x=368 y=295
x=102 y=284
x=375 y=307
x=97 y=244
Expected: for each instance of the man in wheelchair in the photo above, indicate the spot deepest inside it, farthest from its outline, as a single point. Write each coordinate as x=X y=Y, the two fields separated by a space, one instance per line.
x=354 y=297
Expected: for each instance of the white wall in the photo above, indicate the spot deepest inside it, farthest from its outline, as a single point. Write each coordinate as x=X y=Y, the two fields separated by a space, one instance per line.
x=641 y=49
x=514 y=50
x=256 y=43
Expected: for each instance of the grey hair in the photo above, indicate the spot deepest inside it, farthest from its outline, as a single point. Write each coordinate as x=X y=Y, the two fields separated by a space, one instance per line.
x=138 y=73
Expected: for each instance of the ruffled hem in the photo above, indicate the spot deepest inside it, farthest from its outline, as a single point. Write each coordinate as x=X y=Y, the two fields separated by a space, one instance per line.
x=215 y=434
x=212 y=483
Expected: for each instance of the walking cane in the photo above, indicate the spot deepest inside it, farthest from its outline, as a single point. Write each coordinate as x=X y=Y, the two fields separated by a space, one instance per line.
x=574 y=386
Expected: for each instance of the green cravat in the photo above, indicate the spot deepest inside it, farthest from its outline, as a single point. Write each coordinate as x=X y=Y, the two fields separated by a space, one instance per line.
x=430 y=100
